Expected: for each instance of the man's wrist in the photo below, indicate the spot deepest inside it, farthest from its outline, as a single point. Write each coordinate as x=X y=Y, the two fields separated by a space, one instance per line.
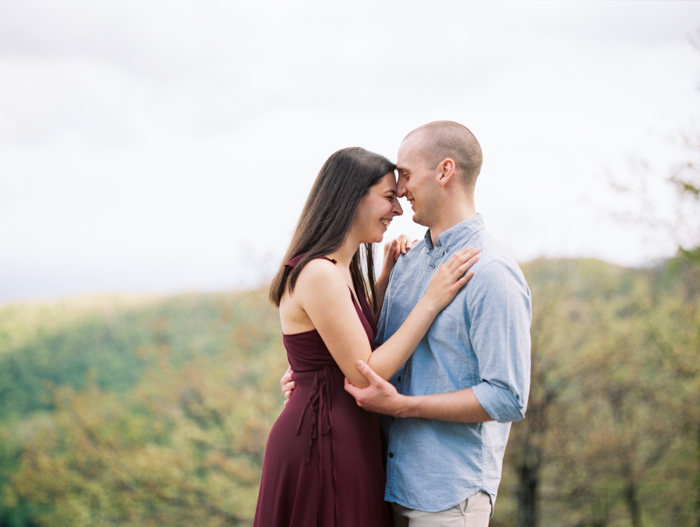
x=405 y=406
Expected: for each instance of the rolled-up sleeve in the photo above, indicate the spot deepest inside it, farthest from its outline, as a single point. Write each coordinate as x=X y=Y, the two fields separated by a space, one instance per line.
x=500 y=312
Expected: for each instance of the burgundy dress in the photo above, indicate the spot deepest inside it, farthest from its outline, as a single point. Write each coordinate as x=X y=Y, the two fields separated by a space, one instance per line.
x=323 y=462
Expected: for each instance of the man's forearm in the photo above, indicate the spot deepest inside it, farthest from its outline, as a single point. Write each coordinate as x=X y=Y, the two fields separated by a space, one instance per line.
x=381 y=397
x=457 y=407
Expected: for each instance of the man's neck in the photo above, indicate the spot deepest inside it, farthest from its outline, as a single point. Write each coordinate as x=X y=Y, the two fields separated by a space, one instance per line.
x=452 y=217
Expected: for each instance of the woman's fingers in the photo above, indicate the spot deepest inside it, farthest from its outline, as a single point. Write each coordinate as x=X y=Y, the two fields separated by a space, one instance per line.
x=398 y=246
x=463 y=259
x=461 y=270
x=287 y=389
x=397 y=249
x=462 y=281
x=286 y=377
x=459 y=264
x=287 y=384
x=451 y=276
x=386 y=248
x=473 y=258
x=391 y=250
x=405 y=244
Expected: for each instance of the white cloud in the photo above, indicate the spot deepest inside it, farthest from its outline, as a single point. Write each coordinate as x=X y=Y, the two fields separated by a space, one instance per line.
x=170 y=145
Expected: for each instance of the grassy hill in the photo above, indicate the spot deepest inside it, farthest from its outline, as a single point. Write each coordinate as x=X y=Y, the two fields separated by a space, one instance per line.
x=187 y=381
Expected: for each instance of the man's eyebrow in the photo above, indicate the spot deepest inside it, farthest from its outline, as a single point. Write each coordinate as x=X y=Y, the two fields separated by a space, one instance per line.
x=390 y=191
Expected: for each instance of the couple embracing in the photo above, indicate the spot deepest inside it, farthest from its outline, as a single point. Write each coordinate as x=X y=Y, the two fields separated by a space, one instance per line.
x=447 y=366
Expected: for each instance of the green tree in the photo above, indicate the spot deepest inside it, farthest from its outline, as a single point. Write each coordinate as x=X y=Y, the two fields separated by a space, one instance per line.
x=600 y=443
x=182 y=446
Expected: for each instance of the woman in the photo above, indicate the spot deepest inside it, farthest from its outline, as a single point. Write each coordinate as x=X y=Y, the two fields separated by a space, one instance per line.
x=323 y=462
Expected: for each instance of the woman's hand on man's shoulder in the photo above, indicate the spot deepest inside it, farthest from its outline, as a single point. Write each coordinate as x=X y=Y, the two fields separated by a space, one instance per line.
x=392 y=251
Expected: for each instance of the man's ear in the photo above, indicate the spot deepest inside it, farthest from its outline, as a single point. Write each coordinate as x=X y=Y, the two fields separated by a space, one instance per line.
x=446 y=171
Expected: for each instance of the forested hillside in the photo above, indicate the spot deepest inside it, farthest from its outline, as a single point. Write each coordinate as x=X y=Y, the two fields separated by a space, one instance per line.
x=154 y=411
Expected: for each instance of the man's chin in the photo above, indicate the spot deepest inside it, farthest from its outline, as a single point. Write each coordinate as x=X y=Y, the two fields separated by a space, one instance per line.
x=417 y=219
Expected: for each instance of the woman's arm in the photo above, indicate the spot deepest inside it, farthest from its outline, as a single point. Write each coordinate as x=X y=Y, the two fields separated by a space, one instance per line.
x=325 y=297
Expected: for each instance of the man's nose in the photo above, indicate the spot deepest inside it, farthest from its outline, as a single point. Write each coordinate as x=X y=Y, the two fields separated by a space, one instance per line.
x=398 y=211
x=400 y=188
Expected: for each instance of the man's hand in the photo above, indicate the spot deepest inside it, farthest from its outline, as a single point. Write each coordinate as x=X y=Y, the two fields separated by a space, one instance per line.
x=380 y=396
x=287 y=384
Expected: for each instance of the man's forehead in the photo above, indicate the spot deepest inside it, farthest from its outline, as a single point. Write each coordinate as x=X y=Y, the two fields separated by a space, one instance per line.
x=409 y=151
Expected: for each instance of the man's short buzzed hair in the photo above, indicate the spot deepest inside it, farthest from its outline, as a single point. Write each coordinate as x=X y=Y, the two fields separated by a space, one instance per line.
x=449 y=139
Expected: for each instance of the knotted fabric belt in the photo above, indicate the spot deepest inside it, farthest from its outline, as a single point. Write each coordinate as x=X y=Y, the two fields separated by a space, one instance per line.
x=320 y=402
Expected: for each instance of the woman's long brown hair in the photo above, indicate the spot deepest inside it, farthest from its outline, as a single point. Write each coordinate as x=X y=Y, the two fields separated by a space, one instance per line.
x=344 y=179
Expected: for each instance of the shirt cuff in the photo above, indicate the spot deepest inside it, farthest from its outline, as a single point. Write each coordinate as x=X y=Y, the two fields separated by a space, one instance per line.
x=499 y=402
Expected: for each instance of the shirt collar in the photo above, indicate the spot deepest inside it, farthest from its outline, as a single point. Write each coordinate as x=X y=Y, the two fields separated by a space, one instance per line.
x=457 y=233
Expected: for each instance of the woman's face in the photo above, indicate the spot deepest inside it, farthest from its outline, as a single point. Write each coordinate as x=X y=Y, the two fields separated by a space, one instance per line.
x=376 y=210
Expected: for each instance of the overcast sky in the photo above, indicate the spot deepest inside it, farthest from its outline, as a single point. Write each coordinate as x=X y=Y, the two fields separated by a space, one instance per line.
x=169 y=146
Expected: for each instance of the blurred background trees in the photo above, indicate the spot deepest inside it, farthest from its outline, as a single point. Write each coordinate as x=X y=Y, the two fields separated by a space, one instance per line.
x=169 y=430
x=155 y=411
x=612 y=435
x=611 y=432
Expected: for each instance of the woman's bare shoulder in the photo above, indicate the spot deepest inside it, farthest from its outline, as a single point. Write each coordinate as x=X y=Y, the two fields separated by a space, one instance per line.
x=318 y=283
x=319 y=271
x=319 y=267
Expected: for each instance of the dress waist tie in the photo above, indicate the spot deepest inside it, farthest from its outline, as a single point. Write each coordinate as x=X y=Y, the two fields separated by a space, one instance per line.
x=321 y=403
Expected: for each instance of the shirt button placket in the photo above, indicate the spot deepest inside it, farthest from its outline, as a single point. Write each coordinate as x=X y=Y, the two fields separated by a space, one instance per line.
x=437 y=253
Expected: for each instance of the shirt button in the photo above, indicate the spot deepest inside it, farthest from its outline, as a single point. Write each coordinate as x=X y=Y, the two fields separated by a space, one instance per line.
x=393 y=419
x=432 y=266
x=399 y=378
x=391 y=454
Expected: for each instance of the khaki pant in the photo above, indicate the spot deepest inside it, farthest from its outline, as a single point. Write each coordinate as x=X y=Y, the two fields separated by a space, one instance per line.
x=475 y=511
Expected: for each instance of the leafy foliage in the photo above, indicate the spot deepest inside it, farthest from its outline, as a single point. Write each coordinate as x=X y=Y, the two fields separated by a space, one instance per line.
x=611 y=432
x=157 y=416
x=155 y=411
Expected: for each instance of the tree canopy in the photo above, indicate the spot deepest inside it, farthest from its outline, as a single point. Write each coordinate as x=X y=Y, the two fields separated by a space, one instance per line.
x=155 y=411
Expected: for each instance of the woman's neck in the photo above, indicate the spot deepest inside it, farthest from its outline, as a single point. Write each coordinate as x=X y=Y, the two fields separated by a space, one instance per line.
x=344 y=254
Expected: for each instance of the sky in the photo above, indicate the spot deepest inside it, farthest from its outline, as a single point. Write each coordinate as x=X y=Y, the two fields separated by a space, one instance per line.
x=169 y=146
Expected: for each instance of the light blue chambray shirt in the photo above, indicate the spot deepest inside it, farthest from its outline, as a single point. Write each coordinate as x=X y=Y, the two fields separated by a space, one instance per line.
x=481 y=340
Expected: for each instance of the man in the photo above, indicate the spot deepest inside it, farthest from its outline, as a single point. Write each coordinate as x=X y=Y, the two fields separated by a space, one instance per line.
x=448 y=409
